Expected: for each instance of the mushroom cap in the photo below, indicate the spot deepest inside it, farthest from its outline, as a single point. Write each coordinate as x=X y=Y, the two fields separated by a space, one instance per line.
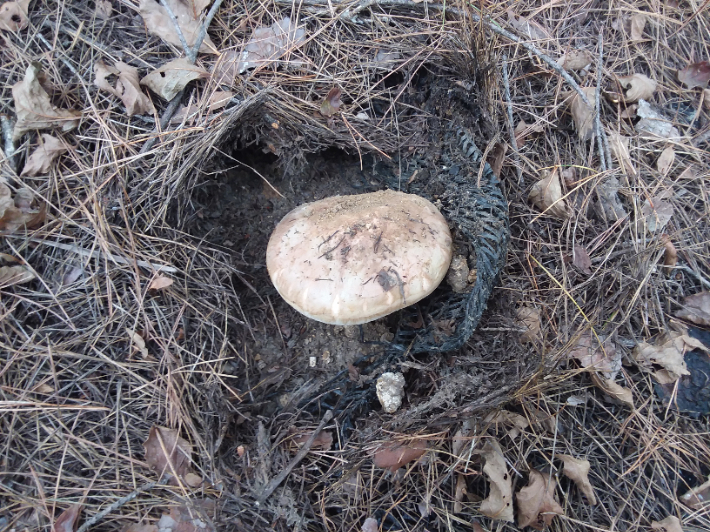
x=347 y=260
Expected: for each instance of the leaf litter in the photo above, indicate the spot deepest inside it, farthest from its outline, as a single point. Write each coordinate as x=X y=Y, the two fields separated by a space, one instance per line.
x=159 y=23
x=169 y=79
x=20 y=212
x=577 y=470
x=499 y=503
x=169 y=454
x=13 y=15
x=127 y=86
x=41 y=159
x=537 y=502
x=695 y=75
x=269 y=44
x=546 y=194
x=637 y=87
x=696 y=309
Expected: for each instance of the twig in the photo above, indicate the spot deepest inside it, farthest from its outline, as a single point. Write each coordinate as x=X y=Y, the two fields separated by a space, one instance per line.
x=597 y=105
x=278 y=479
x=192 y=56
x=120 y=502
x=511 y=128
x=178 y=29
x=9 y=145
x=95 y=254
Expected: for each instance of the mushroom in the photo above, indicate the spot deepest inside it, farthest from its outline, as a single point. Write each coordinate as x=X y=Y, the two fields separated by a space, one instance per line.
x=348 y=260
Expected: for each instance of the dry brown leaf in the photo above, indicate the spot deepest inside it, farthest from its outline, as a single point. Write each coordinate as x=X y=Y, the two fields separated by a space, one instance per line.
x=696 y=309
x=578 y=471
x=184 y=519
x=160 y=282
x=168 y=80
x=638 y=87
x=459 y=493
x=392 y=456
x=695 y=75
x=575 y=59
x=516 y=422
x=66 y=522
x=370 y=525
x=497 y=158
x=537 y=502
x=546 y=194
x=187 y=12
x=34 y=109
x=529 y=318
x=127 y=87
x=331 y=104
x=665 y=160
x=615 y=391
x=138 y=343
x=20 y=212
x=103 y=9
x=620 y=148
x=524 y=130
x=225 y=70
x=580 y=258
x=499 y=503
x=583 y=114
x=638 y=23
x=269 y=44
x=167 y=453
x=668 y=351
x=527 y=27
x=669 y=524
x=698 y=497
x=657 y=212
x=13 y=15
x=137 y=527
x=605 y=358
x=44 y=155
x=18 y=274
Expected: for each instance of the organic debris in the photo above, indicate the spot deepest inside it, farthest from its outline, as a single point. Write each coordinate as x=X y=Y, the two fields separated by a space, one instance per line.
x=160 y=282
x=546 y=194
x=537 y=502
x=529 y=318
x=168 y=80
x=653 y=122
x=577 y=470
x=665 y=356
x=516 y=422
x=331 y=104
x=127 y=87
x=665 y=160
x=17 y=274
x=638 y=87
x=696 y=309
x=393 y=455
x=695 y=75
x=66 y=522
x=13 y=15
x=269 y=44
x=575 y=59
x=169 y=454
x=41 y=159
x=187 y=12
x=22 y=211
x=657 y=212
x=697 y=497
x=603 y=357
x=669 y=524
x=499 y=503
x=582 y=113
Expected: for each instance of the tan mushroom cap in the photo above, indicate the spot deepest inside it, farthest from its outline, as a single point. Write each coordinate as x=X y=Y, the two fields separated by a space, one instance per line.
x=348 y=260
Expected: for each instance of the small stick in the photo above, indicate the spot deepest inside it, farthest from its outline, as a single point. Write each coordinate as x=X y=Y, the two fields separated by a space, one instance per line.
x=278 y=479
x=511 y=129
x=9 y=145
x=192 y=56
x=597 y=106
x=178 y=29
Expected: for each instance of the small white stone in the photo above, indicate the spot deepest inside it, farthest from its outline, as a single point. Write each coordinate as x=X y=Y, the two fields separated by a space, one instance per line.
x=390 y=390
x=312 y=362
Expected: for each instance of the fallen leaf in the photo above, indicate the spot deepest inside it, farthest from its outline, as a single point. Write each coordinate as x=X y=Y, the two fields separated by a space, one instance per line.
x=577 y=470
x=523 y=130
x=44 y=155
x=187 y=13
x=167 y=453
x=696 y=308
x=604 y=358
x=19 y=212
x=18 y=274
x=13 y=15
x=576 y=400
x=620 y=148
x=331 y=104
x=583 y=114
x=72 y=274
x=575 y=59
x=33 y=108
x=670 y=257
x=499 y=503
x=168 y=80
x=66 y=522
x=127 y=87
x=537 y=502
x=269 y=44
x=225 y=70
x=516 y=422
x=498 y=157
x=630 y=112
x=546 y=194
x=656 y=213
x=695 y=75
x=193 y=480
x=459 y=493
x=527 y=27
x=160 y=282
x=370 y=525
x=638 y=23
x=392 y=456
x=323 y=441
x=669 y=524
x=698 y=497
x=580 y=258
x=616 y=391
x=386 y=59
x=638 y=87
x=138 y=343
x=529 y=319
x=137 y=527
x=668 y=352
x=103 y=9
x=653 y=122
x=188 y=519
x=665 y=160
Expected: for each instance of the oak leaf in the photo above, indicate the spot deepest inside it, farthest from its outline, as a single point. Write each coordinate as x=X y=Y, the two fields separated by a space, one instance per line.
x=21 y=211
x=580 y=258
x=577 y=470
x=41 y=159
x=620 y=148
x=66 y=522
x=604 y=358
x=665 y=160
x=127 y=87
x=696 y=309
x=583 y=114
x=160 y=282
x=546 y=194
x=667 y=352
x=575 y=59
x=34 y=109
x=516 y=422
x=13 y=15
x=537 y=502
x=187 y=12
x=529 y=319
x=638 y=87
x=638 y=23
x=168 y=454
x=499 y=503
x=669 y=524
x=657 y=212
x=615 y=391
x=168 y=80
x=392 y=456
x=695 y=75
x=16 y=274
x=268 y=44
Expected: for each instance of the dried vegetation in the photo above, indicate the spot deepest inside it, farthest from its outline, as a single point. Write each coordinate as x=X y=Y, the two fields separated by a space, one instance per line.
x=126 y=401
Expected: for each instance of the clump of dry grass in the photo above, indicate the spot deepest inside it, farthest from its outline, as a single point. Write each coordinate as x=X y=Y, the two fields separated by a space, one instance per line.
x=79 y=395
